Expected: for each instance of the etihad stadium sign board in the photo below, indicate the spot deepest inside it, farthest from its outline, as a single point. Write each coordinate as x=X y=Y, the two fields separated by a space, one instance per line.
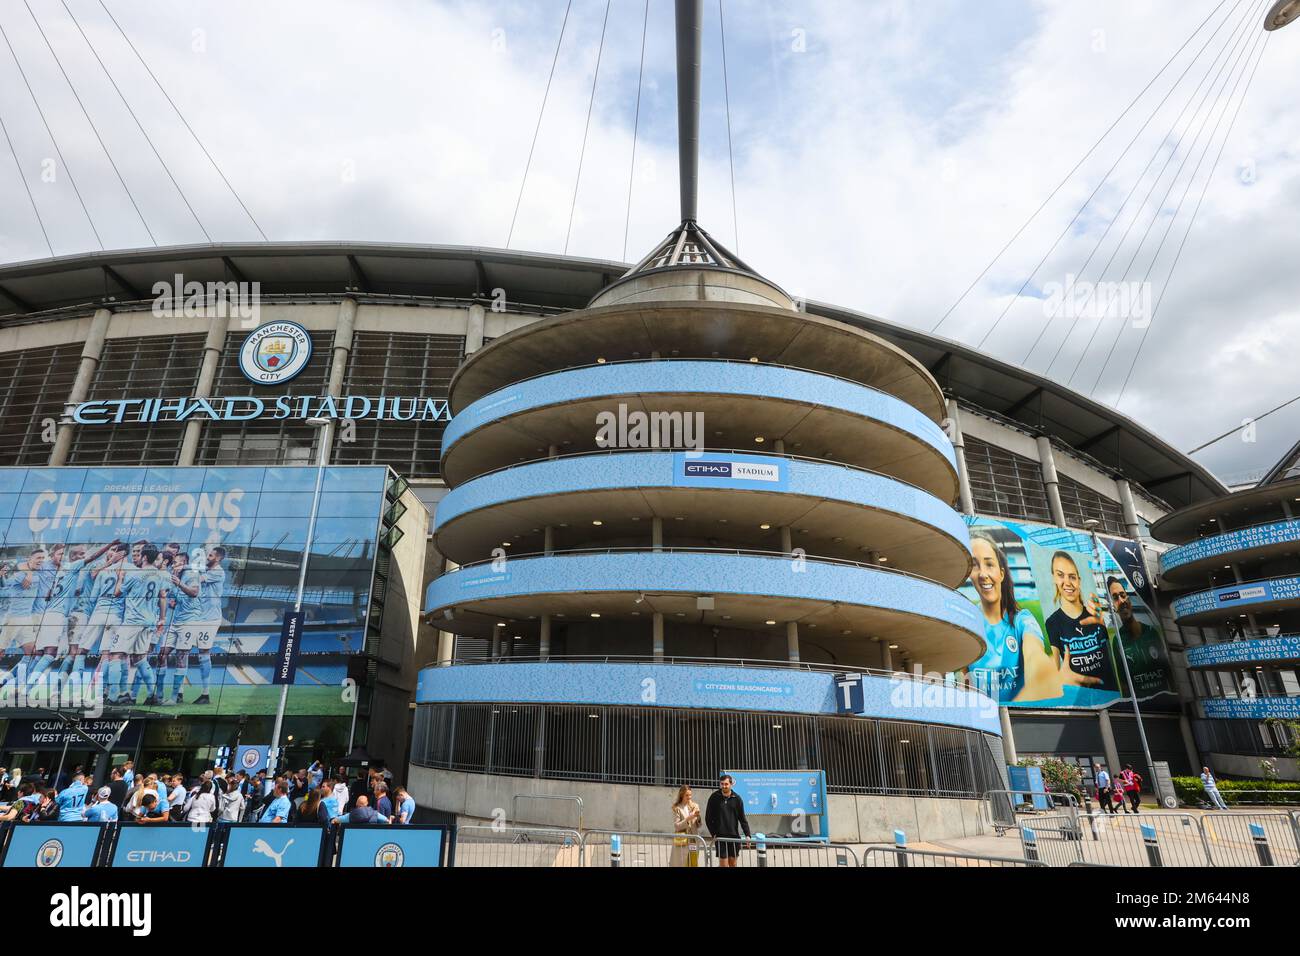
x=242 y=408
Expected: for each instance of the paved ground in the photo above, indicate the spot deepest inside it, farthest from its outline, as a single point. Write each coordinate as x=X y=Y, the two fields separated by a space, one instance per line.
x=1184 y=838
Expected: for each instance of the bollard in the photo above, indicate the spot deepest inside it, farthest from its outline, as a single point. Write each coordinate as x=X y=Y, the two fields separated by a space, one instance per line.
x=1262 y=849
x=615 y=850
x=1152 y=845
x=760 y=844
x=900 y=844
x=1031 y=844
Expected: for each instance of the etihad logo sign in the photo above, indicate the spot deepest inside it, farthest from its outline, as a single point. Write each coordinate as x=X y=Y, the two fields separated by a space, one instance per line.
x=735 y=470
x=243 y=408
x=159 y=857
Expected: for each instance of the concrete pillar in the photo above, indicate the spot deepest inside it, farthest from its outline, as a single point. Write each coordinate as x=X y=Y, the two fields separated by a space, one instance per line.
x=90 y=355
x=1008 y=737
x=548 y=540
x=658 y=636
x=657 y=533
x=886 y=656
x=344 y=331
x=446 y=648
x=1047 y=461
x=544 y=648
x=964 y=496
x=1108 y=743
x=474 y=329
x=1189 y=742
x=792 y=641
x=787 y=542
x=496 y=643
x=212 y=346
x=1132 y=522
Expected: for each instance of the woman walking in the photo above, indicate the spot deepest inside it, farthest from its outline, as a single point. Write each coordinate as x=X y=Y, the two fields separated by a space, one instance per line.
x=686 y=821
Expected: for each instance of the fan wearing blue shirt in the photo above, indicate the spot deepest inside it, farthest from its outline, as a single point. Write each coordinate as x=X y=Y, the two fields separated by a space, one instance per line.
x=332 y=805
x=72 y=800
x=405 y=807
x=277 y=811
x=102 y=810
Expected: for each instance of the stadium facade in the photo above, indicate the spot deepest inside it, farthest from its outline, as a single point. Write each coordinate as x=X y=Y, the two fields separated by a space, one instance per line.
x=883 y=450
x=1234 y=573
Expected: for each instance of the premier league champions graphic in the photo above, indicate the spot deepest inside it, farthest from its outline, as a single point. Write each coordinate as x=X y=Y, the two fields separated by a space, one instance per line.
x=166 y=588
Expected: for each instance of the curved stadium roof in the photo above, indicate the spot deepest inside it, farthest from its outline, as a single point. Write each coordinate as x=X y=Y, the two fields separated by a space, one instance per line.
x=50 y=288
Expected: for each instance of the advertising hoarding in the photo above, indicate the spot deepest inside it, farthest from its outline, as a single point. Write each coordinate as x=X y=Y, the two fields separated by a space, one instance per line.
x=1049 y=638
x=167 y=588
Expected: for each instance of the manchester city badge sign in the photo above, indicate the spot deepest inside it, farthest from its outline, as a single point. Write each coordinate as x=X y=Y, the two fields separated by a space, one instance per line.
x=275 y=353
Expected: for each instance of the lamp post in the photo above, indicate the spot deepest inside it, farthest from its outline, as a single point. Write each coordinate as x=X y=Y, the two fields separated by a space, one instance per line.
x=324 y=425
x=1091 y=524
x=1281 y=13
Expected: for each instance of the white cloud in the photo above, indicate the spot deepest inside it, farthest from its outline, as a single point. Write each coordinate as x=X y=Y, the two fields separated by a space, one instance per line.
x=879 y=168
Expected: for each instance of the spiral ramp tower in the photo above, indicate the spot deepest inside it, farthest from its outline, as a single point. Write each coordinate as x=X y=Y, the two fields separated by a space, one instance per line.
x=689 y=507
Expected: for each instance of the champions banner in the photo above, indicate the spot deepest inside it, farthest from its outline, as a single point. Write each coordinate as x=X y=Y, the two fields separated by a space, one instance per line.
x=167 y=588
x=1048 y=634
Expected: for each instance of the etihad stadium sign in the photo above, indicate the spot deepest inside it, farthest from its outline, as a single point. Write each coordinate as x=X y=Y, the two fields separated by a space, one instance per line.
x=242 y=408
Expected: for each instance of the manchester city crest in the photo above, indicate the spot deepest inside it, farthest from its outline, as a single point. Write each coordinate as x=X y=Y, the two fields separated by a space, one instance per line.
x=275 y=352
x=49 y=854
x=389 y=855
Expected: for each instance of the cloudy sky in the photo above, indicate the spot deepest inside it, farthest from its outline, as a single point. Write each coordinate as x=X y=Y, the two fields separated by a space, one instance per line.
x=883 y=153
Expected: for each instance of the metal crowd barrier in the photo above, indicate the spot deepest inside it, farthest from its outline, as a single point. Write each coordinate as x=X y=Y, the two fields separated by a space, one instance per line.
x=1057 y=839
x=514 y=804
x=1159 y=839
x=782 y=853
x=617 y=848
x=1003 y=810
x=1230 y=842
x=1118 y=839
x=900 y=857
x=518 y=846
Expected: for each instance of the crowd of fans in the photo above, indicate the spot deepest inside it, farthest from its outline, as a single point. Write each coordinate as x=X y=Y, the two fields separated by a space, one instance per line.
x=310 y=795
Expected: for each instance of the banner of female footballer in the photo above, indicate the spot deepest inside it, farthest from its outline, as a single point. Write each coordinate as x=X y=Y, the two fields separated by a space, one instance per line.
x=1049 y=637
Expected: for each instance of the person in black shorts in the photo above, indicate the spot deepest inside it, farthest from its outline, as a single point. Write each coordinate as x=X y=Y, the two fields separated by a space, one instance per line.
x=725 y=818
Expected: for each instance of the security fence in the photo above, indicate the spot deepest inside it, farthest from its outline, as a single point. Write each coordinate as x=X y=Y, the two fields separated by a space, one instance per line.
x=756 y=853
x=1160 y=839
x=670 y=747
x=905 y=857
x=518 y=846
x=615 y=848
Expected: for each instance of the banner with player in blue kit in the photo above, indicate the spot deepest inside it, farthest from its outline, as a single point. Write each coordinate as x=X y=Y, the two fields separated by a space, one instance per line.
x=1048 y=637
x=166 y=588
